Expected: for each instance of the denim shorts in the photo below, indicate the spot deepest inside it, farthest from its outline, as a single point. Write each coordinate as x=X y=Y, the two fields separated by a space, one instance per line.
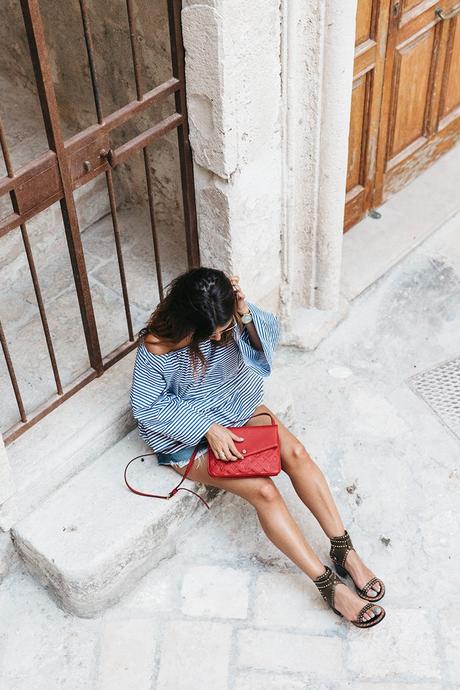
x=182 y=456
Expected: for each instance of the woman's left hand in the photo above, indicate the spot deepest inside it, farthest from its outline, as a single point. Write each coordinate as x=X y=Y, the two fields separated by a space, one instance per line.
x=241 y=306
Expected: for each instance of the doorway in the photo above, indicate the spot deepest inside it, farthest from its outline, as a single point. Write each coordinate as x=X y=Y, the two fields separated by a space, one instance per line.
x=405 y=110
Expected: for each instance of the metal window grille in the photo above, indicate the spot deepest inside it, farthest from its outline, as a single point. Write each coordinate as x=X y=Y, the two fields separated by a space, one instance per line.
x=70 y=163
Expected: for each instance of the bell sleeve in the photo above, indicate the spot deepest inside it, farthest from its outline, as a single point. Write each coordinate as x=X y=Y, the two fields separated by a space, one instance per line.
x=268 y=329
x=164 y=412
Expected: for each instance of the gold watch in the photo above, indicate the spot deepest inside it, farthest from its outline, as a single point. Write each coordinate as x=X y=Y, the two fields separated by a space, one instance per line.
x=246 y=317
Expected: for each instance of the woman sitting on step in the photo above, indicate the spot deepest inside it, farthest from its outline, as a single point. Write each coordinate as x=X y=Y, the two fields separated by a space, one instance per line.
x=205 y=318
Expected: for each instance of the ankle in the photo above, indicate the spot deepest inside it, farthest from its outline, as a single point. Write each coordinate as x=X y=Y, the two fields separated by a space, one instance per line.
x=321 y=575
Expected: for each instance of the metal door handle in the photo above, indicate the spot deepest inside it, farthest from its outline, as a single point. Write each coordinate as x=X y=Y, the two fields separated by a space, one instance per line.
x=447 y=15
x=109 y=156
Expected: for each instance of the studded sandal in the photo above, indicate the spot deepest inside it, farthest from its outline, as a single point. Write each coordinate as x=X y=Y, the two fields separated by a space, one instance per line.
x=340 y=546
x=327 y=583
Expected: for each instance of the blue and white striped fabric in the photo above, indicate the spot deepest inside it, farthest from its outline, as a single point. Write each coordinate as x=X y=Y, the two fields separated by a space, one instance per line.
x=174 y=411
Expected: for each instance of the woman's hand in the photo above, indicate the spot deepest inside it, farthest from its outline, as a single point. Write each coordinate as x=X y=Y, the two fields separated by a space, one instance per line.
x=241 y=306
x=222 y=443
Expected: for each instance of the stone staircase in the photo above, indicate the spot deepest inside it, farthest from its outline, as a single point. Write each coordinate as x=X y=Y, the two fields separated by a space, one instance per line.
x=93 y=539
x=72 y=520
x=74 y=523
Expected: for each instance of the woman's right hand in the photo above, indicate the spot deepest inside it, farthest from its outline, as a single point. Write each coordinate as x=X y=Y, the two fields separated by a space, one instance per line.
x=222 y=443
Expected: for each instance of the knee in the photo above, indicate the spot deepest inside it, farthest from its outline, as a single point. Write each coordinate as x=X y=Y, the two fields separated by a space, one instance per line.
x=265 y=492
x=297 y=456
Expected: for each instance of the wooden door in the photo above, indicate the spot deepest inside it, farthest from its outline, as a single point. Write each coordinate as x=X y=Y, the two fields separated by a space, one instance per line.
x=371 y=37
x=415 y=87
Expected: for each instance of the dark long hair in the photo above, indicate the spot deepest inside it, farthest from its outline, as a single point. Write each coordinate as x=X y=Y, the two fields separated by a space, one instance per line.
x=196 y=303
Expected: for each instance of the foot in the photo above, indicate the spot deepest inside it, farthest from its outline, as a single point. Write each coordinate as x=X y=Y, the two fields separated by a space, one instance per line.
x=361 y=573
x=350 y=604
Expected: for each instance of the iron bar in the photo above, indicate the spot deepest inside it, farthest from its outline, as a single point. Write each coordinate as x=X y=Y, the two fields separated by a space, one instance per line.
x=118 y=353
x=36 y=39
x=131 y=110
x=161 y=128
x=148 y=172
x=90 y=53
x=108 y=173
x=41 y=307
x=5 y=152
x=51 y=404
x=134 y=48
x=73 y=145
x=121 y=266
x=108 y=361
x=156 y=247
x=185 y=152
x=33 y=272
x=13 y=379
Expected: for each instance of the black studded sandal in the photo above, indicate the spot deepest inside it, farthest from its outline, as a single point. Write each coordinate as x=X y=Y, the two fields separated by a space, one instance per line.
x=327 y=583
x=340 y=546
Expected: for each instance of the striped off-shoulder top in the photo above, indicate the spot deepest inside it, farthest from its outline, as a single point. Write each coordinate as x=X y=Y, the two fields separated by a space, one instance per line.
x=173 y=410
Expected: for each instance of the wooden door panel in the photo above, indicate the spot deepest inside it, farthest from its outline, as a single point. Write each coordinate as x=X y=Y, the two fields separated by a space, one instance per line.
x=420 y=94
x=450 y=97
x=410 y=93
x=409 y=4
x=357 y=132
x=405 y=109
x=371 y=28
x=364 y=21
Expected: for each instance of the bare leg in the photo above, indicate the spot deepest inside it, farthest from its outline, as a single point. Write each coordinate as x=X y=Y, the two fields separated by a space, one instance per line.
x=313 y=490
x=280 y=527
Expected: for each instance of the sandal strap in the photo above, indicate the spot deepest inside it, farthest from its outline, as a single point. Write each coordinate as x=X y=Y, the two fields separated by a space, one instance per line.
x=340 y=546
x=326 y=584
x=369 y=584
x=365 y=608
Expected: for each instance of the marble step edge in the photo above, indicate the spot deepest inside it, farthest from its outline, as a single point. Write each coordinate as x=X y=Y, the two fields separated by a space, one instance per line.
x=68 y=439
x=93 y=539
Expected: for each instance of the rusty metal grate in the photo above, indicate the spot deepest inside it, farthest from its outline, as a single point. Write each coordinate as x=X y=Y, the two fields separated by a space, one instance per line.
x=440 y=388
x=69 y=163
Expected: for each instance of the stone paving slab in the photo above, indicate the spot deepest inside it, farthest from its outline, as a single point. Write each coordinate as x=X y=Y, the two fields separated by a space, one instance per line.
x=318 y=656
x=194 y=655
x=41 y=646
x=126 y=652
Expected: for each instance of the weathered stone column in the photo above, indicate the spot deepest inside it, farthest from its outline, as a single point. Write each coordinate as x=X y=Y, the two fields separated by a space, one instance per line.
x=317 y=66
x=233 y=94
x=269 y=90
x=7 y=490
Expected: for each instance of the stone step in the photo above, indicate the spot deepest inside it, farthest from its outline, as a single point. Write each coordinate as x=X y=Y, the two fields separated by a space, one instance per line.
x=93 y=539
x=68 y=439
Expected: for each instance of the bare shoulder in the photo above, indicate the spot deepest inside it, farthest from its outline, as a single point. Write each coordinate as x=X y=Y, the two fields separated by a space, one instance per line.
x=155 y=346
x=158 y=347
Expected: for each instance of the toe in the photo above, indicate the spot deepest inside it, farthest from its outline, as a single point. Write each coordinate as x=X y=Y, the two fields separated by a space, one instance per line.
x=375 y=590
x=372 y=613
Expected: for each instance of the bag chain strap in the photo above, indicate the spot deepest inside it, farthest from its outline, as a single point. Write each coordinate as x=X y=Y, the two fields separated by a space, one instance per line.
x=189 y=466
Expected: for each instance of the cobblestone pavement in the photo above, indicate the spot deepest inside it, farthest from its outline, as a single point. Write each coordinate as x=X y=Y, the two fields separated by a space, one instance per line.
x=393 y=467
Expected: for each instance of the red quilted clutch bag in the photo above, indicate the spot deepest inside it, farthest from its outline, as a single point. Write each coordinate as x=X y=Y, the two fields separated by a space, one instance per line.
x=260 y=448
